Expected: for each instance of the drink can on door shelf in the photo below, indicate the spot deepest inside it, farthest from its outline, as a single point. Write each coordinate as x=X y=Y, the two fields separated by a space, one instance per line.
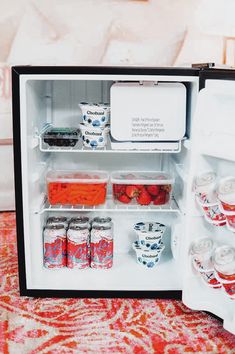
x=201 y=251
x=78 y=247
x=224 y=265
x=54 y=246
x=101 y=247
x=226 y=193
x=205 y=187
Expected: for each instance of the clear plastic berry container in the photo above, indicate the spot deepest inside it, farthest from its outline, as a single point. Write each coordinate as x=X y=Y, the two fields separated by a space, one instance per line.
x=76 y=187
x=142 y=188
x=61 y=137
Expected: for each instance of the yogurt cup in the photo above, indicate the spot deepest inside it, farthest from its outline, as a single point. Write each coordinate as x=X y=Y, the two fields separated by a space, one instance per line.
x=94 y=138
x=150 y=234
x=226 y=193
x=215 y=222
x=205 y=187
x=95 y=114
x=147 y=258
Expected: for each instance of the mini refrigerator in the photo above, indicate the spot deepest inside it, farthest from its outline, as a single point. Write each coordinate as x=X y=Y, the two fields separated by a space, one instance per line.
x=173 y=125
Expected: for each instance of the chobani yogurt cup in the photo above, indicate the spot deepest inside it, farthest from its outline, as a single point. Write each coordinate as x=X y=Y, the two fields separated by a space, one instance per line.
x=226 y=193
x=147 y=258
x=95 y=114
x=150 y=234
x=94 y=138
x=201 y=251
x=205 y=187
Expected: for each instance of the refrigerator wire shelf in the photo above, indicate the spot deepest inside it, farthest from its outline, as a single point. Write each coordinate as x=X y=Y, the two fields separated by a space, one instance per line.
x=111 y=206
x=107 y=149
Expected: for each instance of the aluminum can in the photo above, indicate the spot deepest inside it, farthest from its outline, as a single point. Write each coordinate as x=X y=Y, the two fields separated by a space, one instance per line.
x=55 y=220
x=224 y=264
x=78 y=247
x=101 y=247
x=54 y=239
x=80 y=221
x=201 y=251
x=102 y=221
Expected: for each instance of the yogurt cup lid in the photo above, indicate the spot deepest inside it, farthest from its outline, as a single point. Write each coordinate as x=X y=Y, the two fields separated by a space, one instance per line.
x=202 y=246
x=226 y=190
x=224 y=259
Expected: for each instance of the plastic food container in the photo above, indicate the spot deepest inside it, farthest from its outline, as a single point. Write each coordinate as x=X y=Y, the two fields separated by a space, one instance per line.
x=95 y=114
x=61 y=137
x=142 y=188
x=94 y=137
x=147 y=258
x=76 y=188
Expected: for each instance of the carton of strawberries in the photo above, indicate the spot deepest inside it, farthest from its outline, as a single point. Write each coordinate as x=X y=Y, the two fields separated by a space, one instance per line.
x=143 y=188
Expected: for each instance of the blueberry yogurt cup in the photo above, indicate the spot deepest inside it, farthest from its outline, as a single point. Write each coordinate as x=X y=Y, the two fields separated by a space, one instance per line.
x=147 y=258
x=95 y=114
x=94 y=137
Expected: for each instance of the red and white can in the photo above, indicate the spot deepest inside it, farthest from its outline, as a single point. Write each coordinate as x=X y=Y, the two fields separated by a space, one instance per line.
x=55 y=220
x=102 y=221
x=101 y=247
x=226 y=193
x=54 y=246
x=224 y=264
x=78 y=247
x=80 y=221
x=205 y=187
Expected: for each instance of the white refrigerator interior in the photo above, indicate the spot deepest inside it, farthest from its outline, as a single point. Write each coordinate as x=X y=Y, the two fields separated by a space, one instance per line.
x=208 y=144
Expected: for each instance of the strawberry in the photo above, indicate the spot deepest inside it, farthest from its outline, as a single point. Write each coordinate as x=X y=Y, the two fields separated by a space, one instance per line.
x=123 y=198
x=153 y=189
x=144 y=198
x=161 y=198
x=119 y=189
x=166 y=187
x=132 y=191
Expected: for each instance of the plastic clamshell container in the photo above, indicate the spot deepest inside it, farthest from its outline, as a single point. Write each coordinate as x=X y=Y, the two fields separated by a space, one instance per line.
x=142 y=187
x=77 y=187
x=61 y=137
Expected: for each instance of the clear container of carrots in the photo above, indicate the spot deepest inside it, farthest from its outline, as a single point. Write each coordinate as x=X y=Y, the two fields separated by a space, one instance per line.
x=77 y=187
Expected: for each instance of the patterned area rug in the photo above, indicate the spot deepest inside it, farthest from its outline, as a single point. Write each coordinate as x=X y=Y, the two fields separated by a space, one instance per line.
x=58 y=326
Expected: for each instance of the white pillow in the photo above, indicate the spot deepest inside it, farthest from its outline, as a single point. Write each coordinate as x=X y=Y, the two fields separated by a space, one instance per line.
x=39 y=42
x=200 y=48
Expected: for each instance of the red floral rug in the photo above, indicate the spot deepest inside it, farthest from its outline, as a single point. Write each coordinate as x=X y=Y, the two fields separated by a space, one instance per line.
x=31 y=325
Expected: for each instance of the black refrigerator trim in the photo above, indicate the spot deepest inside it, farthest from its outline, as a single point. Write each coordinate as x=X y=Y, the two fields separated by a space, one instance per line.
x=215 y=74
x=47 y=70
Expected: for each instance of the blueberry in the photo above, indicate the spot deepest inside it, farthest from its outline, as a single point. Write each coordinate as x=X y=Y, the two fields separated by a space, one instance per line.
x=144 y=262
x=150 y=264
x=147 y=245
x=156 y=260
x=84 y=117
x=154 y=246
x=101 y=139
x=89 y=120
x=103 y=119
x=96 y=123
x=83 y=137
x=93 y=143
x=142 y=242
x=140 y=259
x=87 y=141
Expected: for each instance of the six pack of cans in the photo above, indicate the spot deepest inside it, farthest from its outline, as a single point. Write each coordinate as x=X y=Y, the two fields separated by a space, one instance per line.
x=78 y=243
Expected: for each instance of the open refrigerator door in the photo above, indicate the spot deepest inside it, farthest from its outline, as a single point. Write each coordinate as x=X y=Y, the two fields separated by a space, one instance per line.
x=209 y=245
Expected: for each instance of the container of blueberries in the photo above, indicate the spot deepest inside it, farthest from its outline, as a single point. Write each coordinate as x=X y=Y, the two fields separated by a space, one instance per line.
x=61 y=137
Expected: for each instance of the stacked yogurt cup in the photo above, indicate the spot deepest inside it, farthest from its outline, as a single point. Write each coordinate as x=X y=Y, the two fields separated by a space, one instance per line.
x=149 y=246
x=95 y=124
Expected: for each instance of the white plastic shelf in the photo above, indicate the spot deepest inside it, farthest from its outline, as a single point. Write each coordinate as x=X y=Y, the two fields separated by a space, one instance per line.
x=163 y=148
x=111 y=206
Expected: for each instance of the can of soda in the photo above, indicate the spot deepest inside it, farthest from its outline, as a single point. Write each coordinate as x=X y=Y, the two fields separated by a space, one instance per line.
x=201 y=251
x=224 y=265
x=101 y=247
x=102 y=221
x=78 y=247
x=80 y=221
x=55 y=220
x=54 y=238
